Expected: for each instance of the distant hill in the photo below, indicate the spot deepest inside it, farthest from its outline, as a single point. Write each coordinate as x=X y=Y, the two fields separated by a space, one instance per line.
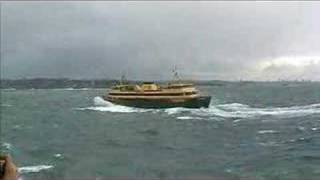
x=48 y=83
x=43 y=83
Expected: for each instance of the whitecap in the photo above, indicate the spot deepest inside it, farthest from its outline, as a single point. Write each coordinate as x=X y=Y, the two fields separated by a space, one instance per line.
x=106 y=106
x=267 y=132
x=232 y=110
x=57 y=155
x=184 y=117
x=17 y=126
x=70 y=89
x=121 y=109
x=9 y=89
x=6 y=145
x=237 y=120
x=33 y=169
x=176 y=110
x=98 y=101
x=245 y=111
x=187 y=117
x=301 y=128
x=271 y=143
x=233 y=106
x=65 y=89
x=6 y=105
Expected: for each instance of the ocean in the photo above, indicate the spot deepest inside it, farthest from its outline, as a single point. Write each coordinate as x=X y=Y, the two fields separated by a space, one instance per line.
x=252 y=131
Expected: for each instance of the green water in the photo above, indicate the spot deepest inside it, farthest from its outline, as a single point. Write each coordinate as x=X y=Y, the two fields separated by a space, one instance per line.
x=251 y=131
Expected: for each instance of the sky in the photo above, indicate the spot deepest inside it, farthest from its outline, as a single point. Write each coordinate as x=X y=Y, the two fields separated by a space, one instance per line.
x=144 y=40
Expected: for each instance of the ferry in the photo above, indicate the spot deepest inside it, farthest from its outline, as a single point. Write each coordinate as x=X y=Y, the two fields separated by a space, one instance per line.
x=152 y=95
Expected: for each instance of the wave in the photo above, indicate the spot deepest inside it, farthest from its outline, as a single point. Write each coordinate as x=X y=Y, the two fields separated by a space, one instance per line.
x=101 y=105
x=176 y=110
x=6 y=105
x=74 y=89
x=244 y=111
x=6 y=146
x=8 y=89
x=267 y=132
x=33 y=169
x=58 y=155
x=232 y=110
x=236 y=110
x=188 y=117
x=68 y=89
x=65 y=89
x=184 y=117
x=119 y=109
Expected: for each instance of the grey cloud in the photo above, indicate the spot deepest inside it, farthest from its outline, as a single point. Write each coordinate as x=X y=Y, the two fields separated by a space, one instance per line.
x=207 y=40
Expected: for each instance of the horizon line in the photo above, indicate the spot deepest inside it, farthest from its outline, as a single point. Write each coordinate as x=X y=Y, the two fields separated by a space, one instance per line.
x=91 y=79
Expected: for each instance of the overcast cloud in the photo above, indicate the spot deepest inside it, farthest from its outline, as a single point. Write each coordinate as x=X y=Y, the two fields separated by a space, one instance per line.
x=206 y=40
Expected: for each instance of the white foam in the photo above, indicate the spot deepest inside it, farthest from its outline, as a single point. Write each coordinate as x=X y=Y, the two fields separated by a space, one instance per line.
x=71 y=89
x=17 y=126
x=57 y=155
x=6 y=105
x=237 y=120
x=267 y=131
x=120 y=109
x=271 y=143
x=232 y=110
x=98 y=101
x=301 y=128
x=102 y=105
x=245 y=111
x=9 y=89
x=233 y=106
x=7 y=146
x=188 y=117
x=33 y=169
x=176 y=110
x=184 y=117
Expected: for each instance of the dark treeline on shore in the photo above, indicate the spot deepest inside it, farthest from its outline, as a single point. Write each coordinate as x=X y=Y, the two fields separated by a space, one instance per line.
x=48 y=83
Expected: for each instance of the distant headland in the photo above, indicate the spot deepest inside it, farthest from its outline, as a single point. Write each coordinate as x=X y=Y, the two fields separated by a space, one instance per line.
x=50 y=83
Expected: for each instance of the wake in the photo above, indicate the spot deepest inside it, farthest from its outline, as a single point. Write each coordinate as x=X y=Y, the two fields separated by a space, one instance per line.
x=232 y=110
x=106 y=106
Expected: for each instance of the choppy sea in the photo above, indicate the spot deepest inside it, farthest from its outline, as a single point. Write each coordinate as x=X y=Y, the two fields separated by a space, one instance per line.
x=252 y=131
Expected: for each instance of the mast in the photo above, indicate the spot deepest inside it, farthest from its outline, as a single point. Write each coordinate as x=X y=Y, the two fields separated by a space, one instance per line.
x=123 y=79
x=176 y=76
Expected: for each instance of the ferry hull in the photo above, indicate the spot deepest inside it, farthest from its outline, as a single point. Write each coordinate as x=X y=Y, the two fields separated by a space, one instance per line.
x=197 y=102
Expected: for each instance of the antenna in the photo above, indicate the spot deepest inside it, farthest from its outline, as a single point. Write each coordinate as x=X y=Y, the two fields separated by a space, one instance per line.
x=123 y=78
x=175 y=74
